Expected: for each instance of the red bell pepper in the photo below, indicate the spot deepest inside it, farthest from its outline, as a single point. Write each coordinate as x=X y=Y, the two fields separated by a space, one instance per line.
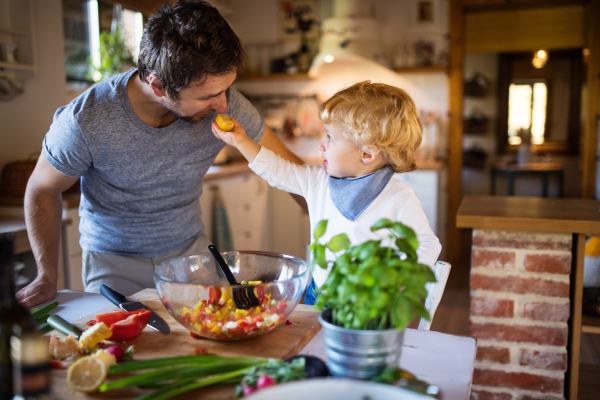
x=114 y=317
x=131 y=326
x=214 y=295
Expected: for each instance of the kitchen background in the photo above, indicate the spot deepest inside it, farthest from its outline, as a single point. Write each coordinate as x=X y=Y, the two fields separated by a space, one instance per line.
x=44 y=64
x=53 y=43
x=45 y=52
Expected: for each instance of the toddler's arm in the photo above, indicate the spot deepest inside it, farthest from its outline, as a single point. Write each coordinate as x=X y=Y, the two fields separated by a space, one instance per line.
x=237 y=138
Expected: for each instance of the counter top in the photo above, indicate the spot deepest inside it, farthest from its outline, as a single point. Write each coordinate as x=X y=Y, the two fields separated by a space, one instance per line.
x=441 y=359
x=580 y=216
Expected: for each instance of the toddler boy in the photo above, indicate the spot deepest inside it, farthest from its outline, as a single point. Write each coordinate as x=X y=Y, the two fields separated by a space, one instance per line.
x=371 y=131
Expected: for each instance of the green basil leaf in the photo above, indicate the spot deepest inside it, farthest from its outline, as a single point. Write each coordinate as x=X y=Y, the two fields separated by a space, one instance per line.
x=407 y=232
x=339 y=242
x=320 y=229
x=382 y=223
x=319 y=257
x=405 y=247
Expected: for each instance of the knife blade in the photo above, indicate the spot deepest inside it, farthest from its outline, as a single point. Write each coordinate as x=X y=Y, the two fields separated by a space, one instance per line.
x=120 y=301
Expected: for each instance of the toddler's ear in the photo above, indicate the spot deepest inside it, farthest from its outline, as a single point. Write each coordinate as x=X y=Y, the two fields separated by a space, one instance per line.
x=369 y=154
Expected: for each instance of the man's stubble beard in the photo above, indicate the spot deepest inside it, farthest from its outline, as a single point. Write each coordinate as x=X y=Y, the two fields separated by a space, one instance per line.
x=194 y=119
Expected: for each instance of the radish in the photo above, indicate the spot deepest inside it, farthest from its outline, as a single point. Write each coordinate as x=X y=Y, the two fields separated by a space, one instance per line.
x=265 y=381
x=248 y=390
x=117 y=352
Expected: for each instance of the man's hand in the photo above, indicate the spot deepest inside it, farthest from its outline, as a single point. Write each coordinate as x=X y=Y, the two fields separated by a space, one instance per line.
x=38 y=291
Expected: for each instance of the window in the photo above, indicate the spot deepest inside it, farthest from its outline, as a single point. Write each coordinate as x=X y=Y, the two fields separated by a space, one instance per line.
x=84 y=21
x=527 y=111
x=540 y=104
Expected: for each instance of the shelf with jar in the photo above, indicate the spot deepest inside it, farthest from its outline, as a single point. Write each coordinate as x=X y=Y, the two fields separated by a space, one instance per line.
x=16 y=36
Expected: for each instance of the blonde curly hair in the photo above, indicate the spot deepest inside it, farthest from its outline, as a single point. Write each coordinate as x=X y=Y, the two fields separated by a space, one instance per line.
x=379 y=115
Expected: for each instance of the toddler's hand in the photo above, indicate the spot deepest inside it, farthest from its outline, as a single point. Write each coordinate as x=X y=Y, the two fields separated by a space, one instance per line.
x=233 y=137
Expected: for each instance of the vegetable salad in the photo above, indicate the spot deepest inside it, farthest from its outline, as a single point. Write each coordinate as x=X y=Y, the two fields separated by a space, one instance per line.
x=218 y=317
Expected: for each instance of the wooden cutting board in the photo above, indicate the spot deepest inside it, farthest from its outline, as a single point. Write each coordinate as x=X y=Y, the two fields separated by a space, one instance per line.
x=283 y=342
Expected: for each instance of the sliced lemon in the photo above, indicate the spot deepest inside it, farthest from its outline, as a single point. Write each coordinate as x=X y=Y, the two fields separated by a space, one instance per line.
x=224 y=122
x=86 y=374
x=107 y=358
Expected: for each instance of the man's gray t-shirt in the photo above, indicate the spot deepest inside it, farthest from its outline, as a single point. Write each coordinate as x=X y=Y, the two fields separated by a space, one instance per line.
x=140 y=185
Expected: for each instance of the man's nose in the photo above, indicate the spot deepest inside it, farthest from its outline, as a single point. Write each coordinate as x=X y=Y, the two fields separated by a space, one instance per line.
x=220 y=103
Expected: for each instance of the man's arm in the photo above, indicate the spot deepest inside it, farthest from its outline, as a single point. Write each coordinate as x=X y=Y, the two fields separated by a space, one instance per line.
x=43 y=216
x=272 y=142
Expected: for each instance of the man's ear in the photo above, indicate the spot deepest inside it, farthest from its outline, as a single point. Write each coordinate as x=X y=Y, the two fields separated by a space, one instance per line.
x=369 y=154
x=156 y=86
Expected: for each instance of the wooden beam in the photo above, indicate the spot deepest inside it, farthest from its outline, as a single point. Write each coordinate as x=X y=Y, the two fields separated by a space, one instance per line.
x=574 y=347
x=589 y=142
x=525 y=29
x=455 y=130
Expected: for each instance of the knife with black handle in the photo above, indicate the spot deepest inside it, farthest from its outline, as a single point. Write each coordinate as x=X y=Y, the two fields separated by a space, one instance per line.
x=121 y=301
x=63 y=326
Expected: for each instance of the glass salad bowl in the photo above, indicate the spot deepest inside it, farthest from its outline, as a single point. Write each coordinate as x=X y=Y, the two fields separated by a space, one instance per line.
x=197 y=294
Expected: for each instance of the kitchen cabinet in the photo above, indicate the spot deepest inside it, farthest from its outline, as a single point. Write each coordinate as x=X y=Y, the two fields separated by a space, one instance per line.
x=260 y=217
x=245 y=198
x=16 y=27
x=72 y=251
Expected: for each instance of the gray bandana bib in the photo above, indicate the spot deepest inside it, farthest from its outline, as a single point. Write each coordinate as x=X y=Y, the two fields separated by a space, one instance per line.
x=352 y=196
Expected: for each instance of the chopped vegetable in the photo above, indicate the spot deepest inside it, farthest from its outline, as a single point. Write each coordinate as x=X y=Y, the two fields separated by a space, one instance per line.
x=40 y=312
x=288 y=322
x=41 y=316
x=94 y=335
x=218 y=317
x=198 y=351
x=56 y=364
x=192 y=334
x=130 y=327
x=275 y=371
x=128 y=356
x=111 y=318
x=265 y=381
x=116 y=351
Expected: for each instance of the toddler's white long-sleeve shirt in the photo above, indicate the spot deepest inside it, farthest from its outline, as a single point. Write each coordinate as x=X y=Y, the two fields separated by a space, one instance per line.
x=397 y=202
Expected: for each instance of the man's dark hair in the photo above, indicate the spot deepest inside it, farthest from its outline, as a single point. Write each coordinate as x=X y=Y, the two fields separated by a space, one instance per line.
x=185 y=41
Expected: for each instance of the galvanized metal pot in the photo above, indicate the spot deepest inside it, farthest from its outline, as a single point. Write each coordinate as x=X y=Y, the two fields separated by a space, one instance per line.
x=359 y=354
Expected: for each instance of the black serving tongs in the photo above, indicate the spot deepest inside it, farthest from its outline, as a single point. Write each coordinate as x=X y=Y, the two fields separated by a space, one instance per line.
x=244 y=297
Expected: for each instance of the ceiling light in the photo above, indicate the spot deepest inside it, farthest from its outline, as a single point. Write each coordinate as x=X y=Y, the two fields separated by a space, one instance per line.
x=540 y=58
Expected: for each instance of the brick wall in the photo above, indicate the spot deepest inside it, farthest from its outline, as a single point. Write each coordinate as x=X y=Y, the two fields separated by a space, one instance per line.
x=519 y=313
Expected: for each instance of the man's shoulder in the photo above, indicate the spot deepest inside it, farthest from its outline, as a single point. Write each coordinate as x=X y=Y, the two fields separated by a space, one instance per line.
x=97 y=100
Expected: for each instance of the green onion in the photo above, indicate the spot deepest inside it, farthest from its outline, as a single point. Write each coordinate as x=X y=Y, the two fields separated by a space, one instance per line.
x=43 y=329
x=44 y=310
x=162 y=375
x=183 y=386
x=42 y=320
x=171 y=361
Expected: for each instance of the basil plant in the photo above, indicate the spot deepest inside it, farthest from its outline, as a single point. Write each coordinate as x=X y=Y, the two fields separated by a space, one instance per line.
x=371 y=286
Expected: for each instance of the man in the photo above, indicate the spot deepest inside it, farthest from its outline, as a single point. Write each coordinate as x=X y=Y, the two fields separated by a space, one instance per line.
x=141 y=142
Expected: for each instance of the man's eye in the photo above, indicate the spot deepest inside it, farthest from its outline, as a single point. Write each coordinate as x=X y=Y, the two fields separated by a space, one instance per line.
x=329 y=138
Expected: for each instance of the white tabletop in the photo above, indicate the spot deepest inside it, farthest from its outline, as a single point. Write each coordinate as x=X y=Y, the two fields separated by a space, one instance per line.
x=440 y=359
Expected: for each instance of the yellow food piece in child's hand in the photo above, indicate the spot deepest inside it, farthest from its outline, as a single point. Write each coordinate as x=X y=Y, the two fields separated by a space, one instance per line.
x=224 y=122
